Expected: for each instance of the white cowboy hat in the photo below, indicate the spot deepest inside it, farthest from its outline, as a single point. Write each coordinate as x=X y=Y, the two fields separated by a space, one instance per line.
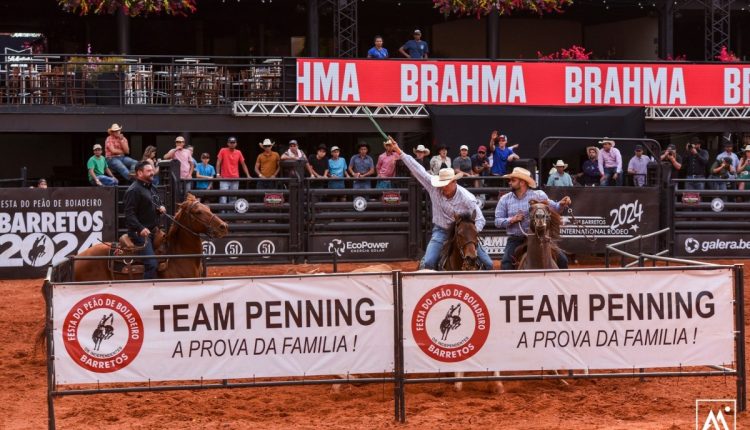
x=267 y=142
x=114 y=127
x=422 y=148
x=589 y=148
x=445 y=177
x=604 y=141
x=522 y=174
x=561 y=163
x=747 y=148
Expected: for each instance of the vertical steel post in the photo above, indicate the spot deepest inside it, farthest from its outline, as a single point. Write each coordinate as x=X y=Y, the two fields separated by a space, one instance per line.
x=739 y=303
x=50 y=355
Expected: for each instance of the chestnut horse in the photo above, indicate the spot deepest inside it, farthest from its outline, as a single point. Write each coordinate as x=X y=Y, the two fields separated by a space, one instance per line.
x=459 y=252
x=540 y=250
x=193 y=218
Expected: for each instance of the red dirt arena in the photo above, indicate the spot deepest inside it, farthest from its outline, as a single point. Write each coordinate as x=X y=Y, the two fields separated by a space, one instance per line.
x=583 y=404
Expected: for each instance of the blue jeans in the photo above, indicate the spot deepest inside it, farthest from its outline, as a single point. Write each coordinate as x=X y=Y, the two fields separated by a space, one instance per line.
x=510 y=249
x=609 y=172
x=361 y=185
x=384 y=184
x=432 y=253
x=149 y=264
x=107 y=181
x=228 y=185
x=695 y=185
x=122 y=165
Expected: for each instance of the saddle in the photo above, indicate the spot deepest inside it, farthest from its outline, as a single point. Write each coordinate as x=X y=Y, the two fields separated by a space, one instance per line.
x=125 y=247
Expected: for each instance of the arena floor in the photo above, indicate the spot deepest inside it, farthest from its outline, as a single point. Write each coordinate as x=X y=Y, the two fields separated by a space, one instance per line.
x=584 y=404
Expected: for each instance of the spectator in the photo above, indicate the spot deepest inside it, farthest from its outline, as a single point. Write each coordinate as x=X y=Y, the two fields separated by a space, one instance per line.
x=386 y=166
x=185 y=157
x=480 y=165
x=501 y=154
x=695 y=164
x=590 y=175
x=610 y=164
x=228 y=166
x=99 y=174
x=462 y=163
x=728 y=153
x=440 y=161
x=293 y=153
x=560 y=178
x=337 y=169
x=415 y=48
x=378 y=51
x=116 y=150
x=204 y=171
x=317 y=166
x=638 y=166
x=267 y=165
x=42 y=183
x=361 y=166
x=723 y=168
x=421 y=153
x=672 y=162
x=743 y=169
x=149 y=154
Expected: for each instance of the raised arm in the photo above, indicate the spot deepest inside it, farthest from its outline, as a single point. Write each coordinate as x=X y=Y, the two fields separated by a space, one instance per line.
x=413 y=165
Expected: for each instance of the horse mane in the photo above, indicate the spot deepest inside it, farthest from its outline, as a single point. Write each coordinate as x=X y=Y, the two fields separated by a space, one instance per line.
x=174 y=228
x=445 y=251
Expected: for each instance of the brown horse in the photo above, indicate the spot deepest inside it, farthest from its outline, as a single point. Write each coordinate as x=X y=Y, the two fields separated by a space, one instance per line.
x=193 y=219
x=540 y=250
x=459 y=252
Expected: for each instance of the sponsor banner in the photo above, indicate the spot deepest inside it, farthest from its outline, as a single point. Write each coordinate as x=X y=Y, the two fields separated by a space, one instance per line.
x=244 y=245
x=493 y=241
x=724 y=245
x=223 y=329
x=39 y=227
x=362 y=247
x=324 y=81
x=575 y=320
x=603 y=217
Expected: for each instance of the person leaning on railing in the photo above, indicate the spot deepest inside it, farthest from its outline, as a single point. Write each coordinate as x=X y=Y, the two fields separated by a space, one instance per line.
x=228 y=166
x=695 y=163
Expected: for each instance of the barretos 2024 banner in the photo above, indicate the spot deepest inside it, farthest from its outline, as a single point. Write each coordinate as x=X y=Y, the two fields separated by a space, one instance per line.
x=321 y=81
x=224 y=329
x=623 y=320
x=39 y=227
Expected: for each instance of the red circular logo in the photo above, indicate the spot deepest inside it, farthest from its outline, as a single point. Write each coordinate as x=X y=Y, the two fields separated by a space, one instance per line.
x=103 y=333
x=450 y=323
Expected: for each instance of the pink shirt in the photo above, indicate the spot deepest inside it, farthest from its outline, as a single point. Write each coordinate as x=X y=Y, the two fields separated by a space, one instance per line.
x=183 y=156
x=113 y=143
x=386 y=166
x=610 y=159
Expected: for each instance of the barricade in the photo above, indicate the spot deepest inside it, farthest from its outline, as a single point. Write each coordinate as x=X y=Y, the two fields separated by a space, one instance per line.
x=670 y=322
x=20 y=181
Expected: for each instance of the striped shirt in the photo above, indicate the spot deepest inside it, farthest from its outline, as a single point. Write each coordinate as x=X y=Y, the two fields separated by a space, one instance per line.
x=443 y=209
x=509 y=205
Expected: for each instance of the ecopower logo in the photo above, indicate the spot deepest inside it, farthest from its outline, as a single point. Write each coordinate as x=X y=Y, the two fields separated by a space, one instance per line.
x=341 y=247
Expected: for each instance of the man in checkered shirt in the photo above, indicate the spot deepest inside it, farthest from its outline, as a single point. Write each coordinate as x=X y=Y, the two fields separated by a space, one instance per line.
x=448 y=200
x=512 y=213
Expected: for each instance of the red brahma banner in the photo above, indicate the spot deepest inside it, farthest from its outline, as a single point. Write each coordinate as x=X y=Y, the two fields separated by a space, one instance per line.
x=324 y=81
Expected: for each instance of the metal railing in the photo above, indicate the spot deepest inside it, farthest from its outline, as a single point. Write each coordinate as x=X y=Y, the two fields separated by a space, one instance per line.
x=640 y=257
x=20 y=181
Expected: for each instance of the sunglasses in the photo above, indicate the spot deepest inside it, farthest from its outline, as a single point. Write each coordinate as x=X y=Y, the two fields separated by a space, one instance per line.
x=481 y=152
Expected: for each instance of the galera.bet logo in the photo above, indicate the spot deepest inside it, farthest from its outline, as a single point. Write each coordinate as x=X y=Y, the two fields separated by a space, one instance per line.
x=715 y=414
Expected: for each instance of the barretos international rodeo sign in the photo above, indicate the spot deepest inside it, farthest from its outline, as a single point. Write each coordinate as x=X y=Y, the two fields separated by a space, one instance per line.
x=39 y=227
x=224 y=329
x=631 y=320
x=321 y=81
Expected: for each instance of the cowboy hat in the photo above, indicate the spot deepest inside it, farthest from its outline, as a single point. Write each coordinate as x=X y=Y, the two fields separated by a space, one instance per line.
x=422 y=148
x=445 y=177
x=522 y=174
x=747 y=148
x=589 y=148
x=267 y=142
x=561 y=163
x=114 y=127
x=605 y=141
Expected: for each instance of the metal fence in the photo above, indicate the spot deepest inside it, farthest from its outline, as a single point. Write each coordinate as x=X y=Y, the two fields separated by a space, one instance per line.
x=20 y=181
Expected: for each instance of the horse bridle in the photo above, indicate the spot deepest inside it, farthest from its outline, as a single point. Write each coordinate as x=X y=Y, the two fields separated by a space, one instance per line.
x=547 y=220
x=189 y=209
x=464 y=245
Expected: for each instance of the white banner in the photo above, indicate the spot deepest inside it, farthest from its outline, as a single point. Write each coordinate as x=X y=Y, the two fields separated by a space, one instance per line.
x=568 y=320
x=223 y=329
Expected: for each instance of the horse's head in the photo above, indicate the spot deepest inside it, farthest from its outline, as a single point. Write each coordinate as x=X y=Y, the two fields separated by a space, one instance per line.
x=198 y=217
x=543 y=221
x=466 y=240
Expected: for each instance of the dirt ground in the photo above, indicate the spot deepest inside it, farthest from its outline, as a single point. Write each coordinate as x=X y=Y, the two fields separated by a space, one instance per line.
x=584 y=404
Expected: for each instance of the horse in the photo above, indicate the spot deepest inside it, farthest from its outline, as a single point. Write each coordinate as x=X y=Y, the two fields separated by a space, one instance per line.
x=540 y=250
x=459 y=252
x=193 y=218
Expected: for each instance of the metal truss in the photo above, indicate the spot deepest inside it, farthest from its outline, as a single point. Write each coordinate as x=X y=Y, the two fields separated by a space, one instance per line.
x=344 y=26
x=716 y=25
x=703 y=113
x=292 y=109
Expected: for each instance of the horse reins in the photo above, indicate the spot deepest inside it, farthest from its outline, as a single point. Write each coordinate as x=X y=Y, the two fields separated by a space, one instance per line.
x=156 y=201
x=575 y=221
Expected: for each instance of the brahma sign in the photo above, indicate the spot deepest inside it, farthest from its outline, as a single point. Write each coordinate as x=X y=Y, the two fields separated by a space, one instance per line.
x=321 y=81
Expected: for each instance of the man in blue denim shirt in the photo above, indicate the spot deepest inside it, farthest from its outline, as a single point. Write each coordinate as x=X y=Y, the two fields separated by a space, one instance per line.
x=448 y=200
x=517 y=203
x=415 y=48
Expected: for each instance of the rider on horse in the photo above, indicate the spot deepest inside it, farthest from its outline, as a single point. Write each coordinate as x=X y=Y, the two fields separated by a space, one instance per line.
x=142 y=214
x=448 y=200
x=517 y=203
